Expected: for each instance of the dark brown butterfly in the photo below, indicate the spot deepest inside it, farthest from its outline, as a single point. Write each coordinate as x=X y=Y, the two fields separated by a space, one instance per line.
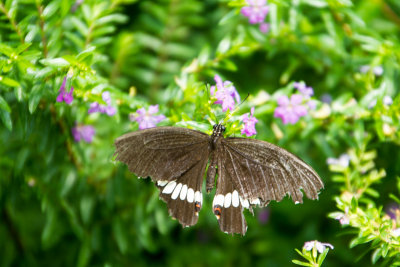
x=250 y=172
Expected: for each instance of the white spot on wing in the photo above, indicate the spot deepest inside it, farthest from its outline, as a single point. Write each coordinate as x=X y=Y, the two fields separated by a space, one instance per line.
x=245 y=203
x=162 y=183
x=169 y=188
x=190 y=195
x=197 y=196
x=218 y=200
x=235 y=199
x=227 y=201
x=183 y=192
x=176 y=192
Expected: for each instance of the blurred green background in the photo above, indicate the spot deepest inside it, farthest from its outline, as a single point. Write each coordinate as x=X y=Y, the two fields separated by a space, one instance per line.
x=67 y=203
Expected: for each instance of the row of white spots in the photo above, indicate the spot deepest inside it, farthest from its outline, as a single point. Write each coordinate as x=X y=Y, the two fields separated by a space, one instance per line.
x=181 y=190
x=227 y=200
x=233 y=199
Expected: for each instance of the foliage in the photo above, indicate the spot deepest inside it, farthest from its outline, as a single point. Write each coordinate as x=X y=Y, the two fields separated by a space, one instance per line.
x=65 y=202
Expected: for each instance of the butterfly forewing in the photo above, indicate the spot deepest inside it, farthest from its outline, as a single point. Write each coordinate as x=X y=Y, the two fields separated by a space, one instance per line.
x=163 y=153
x=263 y=171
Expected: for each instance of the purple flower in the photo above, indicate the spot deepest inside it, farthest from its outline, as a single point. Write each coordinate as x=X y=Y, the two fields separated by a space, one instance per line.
x=290 y=110
x=85 y=132
x=343 y=218
x=108 y=109
x=63 y=95
x=146 y=119
x=318 y=245
x=343 y=160
x=393 y=210
x=307 y=91
x=264 y=27
x=263 y=216
x=256 y=11
x=377 y=70
x=226 y=94
x=249 y=123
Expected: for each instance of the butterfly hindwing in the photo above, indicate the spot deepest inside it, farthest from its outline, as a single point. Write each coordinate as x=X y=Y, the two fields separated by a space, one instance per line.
x=184 y=195
x=227 y=206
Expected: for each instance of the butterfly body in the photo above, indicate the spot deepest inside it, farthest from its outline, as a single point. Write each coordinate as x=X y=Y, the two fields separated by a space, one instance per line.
x=249 y=172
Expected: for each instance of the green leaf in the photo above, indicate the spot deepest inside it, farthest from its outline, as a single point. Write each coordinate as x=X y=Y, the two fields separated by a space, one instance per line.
x=50 y=9
x=6 y=118
x=302 y=263
x=322 y=256
x=21 y=48
x=86 y=207
x=4 y=105
x=85 y=53
x=34 y=101
x=85 y=252
x=6 y=50
x=354 y=204
x=376 y=255
x=119 y=18
x=361 y=240
x=120 y=235
x=55 y=62
x=45 y=72
x=9 y=82
x=80 y=26
x=315 y=3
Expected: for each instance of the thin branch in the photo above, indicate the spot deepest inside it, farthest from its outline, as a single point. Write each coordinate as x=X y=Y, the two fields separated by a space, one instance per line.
x=67 y=141
x=12 y=21
x=41 y=24
x=12 y=230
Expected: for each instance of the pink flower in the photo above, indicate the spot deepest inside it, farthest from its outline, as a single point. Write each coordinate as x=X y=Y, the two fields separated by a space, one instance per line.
x=307 y=91
x=264 y=27
x=108 y=109
x=256 y=11
x=85 y=132
x=249 y=123
x=226 y=94
x=67 y=97
x=318 y=245
x=290 y=110
x=146 y=119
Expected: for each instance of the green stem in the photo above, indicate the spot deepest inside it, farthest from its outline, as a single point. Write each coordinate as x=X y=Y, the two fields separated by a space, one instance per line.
x=12 y=21
x=41 y=24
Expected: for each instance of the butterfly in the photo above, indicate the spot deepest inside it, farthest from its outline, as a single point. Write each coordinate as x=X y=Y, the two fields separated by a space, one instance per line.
x=249 y=172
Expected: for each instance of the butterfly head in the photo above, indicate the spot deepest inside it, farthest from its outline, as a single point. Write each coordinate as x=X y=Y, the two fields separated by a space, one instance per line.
x=218 y=129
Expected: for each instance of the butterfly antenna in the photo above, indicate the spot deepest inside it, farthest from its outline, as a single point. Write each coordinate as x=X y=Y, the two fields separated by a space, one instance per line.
x=237 y=107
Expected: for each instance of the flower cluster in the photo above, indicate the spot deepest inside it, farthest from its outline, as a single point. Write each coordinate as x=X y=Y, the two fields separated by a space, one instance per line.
x=108 y=109
x=225 y=94
x=377 y=70
x=256 y=11
x=147 y=119
x=63 y=95
x=343 y=160
x=249 y=124
x=85 y=132
x=320 y=247
x=290 y=110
